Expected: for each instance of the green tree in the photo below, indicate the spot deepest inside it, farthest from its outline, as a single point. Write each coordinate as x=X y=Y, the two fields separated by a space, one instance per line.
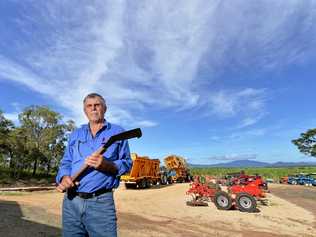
x=45 y=135
x=18 y=152
x=6 y=126
x=306 y=143
x=56 y=149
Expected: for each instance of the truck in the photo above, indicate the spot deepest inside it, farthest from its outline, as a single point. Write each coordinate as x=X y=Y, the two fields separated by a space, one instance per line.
x=144 y=173
x=307 y=180
x=179 y=166
x=297 y=179
x=147 y=172
x=292 y=179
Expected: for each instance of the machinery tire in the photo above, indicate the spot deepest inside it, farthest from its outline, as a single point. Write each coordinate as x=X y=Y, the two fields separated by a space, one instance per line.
x=164 y=180
x=246 y=203
x=189 y=178
x=222 y=200
x=148 y=183
x=143 y=184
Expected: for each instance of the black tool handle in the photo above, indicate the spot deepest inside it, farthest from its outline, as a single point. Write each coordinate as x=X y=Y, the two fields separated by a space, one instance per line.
x=118 y=137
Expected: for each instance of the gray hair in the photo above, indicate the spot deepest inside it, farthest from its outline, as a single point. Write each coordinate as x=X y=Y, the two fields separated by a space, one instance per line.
x=94 y=95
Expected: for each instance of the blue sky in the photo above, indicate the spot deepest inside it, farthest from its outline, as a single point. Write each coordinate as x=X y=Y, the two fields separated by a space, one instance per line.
x=213 y=81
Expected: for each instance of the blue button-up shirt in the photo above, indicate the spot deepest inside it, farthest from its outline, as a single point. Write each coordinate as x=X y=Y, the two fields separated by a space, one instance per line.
x=82 y=144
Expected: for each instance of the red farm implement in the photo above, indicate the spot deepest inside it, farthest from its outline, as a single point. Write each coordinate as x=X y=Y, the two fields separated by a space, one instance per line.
x=238 y=192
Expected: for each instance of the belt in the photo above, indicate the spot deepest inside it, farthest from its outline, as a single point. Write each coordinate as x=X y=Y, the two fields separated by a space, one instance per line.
x=94 y=194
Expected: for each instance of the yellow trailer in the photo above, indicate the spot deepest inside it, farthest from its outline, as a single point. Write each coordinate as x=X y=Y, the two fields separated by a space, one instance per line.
x=180 y=166
x=144 y=173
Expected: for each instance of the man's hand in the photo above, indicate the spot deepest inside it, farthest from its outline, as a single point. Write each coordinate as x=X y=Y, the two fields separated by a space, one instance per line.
x=99 y=163
x=66 y=183
x=95 y=161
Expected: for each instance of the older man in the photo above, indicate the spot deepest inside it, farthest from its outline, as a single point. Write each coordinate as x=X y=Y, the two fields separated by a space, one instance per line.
x=91 y=212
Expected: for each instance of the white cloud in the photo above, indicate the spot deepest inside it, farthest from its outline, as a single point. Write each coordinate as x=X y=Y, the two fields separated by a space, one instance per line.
x=248 y=104
x=146 y=123
x=256 y=115
x=247 y=134
x=13 y=71
x=149 y=54
x=248 y=122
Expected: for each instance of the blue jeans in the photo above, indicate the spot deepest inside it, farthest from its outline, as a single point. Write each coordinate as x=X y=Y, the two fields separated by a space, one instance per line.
x=94 y=217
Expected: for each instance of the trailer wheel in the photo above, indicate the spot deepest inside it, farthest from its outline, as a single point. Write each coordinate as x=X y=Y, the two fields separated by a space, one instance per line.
x=222 y=201
x=143 y=184
x=188 y=178
x=164 y=180
x=246 y=203
x=148 y=183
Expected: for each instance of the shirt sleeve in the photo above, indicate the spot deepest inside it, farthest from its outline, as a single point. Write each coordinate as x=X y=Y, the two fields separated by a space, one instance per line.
x=124 y=161
x=65 y=164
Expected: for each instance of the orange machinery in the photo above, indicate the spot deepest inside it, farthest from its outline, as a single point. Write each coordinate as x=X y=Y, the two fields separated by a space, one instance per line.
x=179 y=165
x=144 y=172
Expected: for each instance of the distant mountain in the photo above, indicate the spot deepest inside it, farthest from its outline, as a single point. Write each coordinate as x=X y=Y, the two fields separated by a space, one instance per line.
x=253 y=163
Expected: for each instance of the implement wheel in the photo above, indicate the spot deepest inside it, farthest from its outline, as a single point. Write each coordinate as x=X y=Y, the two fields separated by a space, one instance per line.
x=222 y=201
x=246 y=203
x=164 y=180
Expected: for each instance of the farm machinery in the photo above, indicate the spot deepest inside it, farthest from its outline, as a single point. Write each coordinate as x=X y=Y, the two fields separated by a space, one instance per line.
x=236 y=192
x=179 y=167
x=302 y=179
x=147 y=172
x=307 y=180
x=284 y=180
x=144 y=173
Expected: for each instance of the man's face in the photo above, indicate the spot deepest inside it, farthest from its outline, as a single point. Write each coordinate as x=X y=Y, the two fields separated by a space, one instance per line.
x=94 y=109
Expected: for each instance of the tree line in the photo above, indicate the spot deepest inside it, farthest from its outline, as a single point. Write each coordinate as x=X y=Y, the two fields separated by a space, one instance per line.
x=36 y=144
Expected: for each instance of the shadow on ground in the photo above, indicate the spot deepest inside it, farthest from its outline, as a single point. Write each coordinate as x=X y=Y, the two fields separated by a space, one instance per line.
x=14 y=223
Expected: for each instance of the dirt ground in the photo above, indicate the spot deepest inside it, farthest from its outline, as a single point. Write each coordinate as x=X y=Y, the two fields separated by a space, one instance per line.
x=163 y=212
x=299 y=195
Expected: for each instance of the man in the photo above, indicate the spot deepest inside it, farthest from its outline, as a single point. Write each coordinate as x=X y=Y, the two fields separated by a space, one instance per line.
x=91 y=212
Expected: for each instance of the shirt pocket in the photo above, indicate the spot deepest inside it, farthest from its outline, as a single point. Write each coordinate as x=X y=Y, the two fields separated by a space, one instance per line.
x=81 y=150
x=112 y=152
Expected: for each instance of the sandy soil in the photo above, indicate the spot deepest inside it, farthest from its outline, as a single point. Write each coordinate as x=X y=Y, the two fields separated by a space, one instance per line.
x=161 y=212
x=299 y=195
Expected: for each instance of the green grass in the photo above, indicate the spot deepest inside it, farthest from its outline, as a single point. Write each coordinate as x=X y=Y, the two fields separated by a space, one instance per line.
x=273 y=173
x=7 y=178
x=13 y=193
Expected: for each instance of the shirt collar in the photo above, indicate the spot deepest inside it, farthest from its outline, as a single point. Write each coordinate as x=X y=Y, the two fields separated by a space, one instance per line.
x=86 y=127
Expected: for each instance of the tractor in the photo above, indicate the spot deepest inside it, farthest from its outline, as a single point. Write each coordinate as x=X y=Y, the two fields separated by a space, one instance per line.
x=241 y=193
